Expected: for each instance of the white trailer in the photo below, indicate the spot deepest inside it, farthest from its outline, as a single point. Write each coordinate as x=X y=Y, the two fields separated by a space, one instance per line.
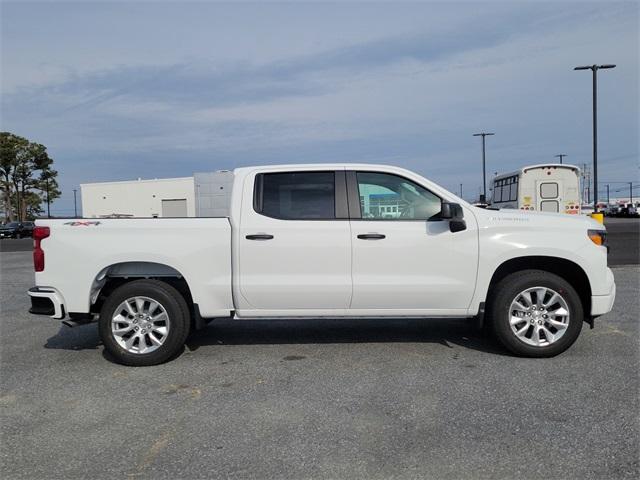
x=549 y=187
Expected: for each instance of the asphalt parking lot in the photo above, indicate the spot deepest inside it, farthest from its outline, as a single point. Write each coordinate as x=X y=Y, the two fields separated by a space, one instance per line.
x=318 y=399
x=624 y=240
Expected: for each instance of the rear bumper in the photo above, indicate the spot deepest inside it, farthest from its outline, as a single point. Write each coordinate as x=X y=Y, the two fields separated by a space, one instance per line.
x=46 y=301
x=601 y=304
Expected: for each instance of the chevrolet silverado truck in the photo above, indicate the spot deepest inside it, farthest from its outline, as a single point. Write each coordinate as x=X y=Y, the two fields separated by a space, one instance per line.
x=325 y=241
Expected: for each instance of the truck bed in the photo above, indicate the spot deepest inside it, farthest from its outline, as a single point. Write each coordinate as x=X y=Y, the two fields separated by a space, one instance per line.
x=79 y=253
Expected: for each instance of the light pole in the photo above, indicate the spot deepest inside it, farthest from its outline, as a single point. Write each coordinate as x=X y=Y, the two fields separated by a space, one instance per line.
x=75 y=205
x=561 y=156
x=484 y=177
x=594 y=69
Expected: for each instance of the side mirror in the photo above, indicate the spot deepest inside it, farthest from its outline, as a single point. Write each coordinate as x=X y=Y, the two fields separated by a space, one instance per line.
x=453 y=213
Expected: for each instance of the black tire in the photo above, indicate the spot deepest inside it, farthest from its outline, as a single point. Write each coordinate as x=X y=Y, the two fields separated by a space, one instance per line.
x=176 y=308
x=505 y=292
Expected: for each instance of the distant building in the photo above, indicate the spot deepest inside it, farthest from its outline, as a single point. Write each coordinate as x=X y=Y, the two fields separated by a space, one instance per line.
x=203 y=195
x=167 y=197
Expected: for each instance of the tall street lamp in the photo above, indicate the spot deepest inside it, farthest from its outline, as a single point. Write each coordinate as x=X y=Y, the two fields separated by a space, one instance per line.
x=594 y=69
x=561 y=156
x=484 y=177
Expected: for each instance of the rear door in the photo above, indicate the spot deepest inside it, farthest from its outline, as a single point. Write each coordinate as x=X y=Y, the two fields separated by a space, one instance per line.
x=549 y=195
x=406 y=261
x=294 y=244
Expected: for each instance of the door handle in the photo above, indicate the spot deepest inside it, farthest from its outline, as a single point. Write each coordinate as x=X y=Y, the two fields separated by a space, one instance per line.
x=371 y=236
x=259 y=236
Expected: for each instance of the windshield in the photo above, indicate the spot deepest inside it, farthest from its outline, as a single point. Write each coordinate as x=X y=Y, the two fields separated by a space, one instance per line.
x=12 y=224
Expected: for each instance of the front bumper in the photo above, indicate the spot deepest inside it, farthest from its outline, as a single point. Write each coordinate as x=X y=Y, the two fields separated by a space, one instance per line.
x=46 y=301
x=601 y=304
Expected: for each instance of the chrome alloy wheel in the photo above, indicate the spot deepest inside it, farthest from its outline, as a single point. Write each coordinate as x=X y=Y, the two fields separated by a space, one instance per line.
x=140 y=325
x=539 y=316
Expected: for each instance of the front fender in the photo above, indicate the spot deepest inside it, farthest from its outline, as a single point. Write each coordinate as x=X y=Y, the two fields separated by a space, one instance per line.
x=496 y=248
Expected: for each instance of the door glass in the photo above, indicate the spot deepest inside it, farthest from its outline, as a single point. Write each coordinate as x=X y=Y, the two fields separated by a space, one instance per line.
x=497 y=192
x=514 y=192
x=548 y=190
x=505 y=190
x=299 y=195
x=390 y=197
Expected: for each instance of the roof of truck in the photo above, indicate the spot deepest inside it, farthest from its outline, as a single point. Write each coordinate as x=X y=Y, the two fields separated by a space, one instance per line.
x=320 y=165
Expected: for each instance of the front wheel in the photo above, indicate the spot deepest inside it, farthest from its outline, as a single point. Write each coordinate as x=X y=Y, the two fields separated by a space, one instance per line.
x=144 y=322
x=534 y=313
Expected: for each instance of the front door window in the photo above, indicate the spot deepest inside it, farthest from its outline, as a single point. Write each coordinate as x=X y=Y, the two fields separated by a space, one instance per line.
x=390 y=197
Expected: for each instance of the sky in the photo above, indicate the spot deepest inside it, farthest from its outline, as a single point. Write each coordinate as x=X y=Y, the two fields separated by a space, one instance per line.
x=120 y=90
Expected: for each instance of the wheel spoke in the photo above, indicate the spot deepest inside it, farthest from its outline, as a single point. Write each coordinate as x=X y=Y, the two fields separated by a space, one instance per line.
x=162 y=330
x=519 y=307
x=516 y=320
x=122 y=331
x=562 y=312
x=154 y=340
x=535 y=336
x=121 y=319
x=152 y=307
x=140 y=304
x=142 y=343
x=540 y=294
x=548 y=335
x=129 y=342
x=557 y=324
x=526 y=296
x=129 y=308
x=161 y=317
x=552 y=300
x=523 y=331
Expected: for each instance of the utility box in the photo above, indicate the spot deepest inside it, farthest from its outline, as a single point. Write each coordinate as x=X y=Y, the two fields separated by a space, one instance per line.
x=213 y=193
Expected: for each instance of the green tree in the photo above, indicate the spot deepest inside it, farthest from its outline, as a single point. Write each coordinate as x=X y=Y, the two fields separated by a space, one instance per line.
x=26 y=175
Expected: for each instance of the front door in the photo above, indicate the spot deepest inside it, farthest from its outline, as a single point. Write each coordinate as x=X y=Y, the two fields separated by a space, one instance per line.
x=405 y=259
x=294 y=245
x=549 y=195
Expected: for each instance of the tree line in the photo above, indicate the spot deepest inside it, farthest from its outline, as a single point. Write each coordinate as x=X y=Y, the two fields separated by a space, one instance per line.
x=27 y=179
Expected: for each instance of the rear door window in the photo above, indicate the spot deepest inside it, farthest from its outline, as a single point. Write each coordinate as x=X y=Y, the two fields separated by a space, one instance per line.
x=296 y=195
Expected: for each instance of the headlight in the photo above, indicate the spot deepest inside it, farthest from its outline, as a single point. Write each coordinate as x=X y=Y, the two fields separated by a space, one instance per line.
x=599 y=237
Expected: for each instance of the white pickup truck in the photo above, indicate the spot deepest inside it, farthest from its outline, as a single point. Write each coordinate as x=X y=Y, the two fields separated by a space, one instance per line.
x=333 y=241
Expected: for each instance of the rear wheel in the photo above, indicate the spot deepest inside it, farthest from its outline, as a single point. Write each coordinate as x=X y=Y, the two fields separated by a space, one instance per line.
x=534 y=313
x=144 y=322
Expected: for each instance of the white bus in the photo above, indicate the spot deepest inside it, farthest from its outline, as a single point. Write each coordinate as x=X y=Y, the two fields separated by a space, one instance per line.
x=547 y=188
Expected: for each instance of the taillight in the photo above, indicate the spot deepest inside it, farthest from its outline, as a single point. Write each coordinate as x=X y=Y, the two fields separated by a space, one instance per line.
x=39 y=233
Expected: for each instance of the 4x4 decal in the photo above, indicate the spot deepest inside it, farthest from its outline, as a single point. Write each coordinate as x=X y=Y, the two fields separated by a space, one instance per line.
x=82 y=223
